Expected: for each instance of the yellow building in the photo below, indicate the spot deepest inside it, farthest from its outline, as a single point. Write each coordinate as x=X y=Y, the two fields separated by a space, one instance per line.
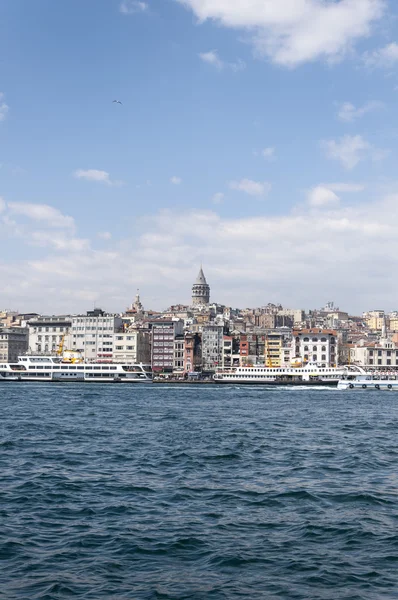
x=375 y=319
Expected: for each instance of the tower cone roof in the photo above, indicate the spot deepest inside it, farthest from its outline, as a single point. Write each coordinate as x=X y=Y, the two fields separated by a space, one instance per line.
x=201 y=279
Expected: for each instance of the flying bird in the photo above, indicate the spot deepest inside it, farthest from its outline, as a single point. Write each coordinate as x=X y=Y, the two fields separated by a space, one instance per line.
x=117 y=102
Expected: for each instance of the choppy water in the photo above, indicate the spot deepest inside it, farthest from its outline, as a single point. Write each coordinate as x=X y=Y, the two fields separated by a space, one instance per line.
x=155 y=492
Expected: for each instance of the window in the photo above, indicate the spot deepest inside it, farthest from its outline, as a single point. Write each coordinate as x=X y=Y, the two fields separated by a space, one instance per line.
x=371 y=361
x=388 y=353
x=323 y=340
x=314 y=339
x=323 y=357
x=314 y=358
x=323 y=348
x=379 y=361
x=370 y=352
x=388 y=361
x=306 y=339
x=379 y=353
x=314 y=348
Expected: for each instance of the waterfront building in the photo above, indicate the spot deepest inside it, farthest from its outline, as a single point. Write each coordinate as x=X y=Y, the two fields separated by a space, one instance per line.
x=132 y=346
x=270 y=348
x=164 y=333
x=13 y=343
x=47 y=334
x=200 y=290
x=315 y=345
x=212 y=347
x=192 y=352
x=93 y=335
x=376 y=355
x=179 y=350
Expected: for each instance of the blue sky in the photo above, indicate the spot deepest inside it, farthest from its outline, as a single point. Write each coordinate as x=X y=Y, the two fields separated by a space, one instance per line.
x=259 y=138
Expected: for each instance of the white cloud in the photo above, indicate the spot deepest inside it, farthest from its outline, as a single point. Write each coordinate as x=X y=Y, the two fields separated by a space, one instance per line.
x=96 y=175
x=42 y=213
x=176 y=180
x=325 y=194
x=350 y=150
x=132 y=7
x=214 y=60
x=349 y=113
x=218 y=198
x=383 y=58
x=4 y=108
x=253 y=188
x=236 y=253
x=322 y=196
x=345 y=187
x=292 y=32
x=268 y=153
x=104 y=235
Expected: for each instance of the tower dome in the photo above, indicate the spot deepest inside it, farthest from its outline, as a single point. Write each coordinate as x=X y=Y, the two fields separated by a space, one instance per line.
x=200 y=290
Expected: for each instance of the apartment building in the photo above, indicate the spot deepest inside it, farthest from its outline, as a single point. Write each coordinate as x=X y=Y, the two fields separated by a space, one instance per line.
x=46 y=334
x=13 y=343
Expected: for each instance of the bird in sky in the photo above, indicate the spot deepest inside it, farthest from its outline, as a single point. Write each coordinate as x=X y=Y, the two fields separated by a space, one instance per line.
x=117 y=102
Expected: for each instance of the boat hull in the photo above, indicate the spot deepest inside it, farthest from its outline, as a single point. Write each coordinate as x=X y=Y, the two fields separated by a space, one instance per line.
x=277 y=383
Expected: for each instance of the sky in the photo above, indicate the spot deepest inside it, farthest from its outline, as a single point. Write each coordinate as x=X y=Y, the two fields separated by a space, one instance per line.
x=257 y=137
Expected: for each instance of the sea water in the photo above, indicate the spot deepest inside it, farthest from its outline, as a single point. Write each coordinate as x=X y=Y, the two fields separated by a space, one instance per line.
x=200 y=492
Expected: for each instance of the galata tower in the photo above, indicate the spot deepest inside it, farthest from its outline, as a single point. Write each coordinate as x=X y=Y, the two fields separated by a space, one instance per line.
x=200 y=290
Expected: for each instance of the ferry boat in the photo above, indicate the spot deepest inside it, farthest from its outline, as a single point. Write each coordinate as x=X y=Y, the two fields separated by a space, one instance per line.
x=309 y=374
x=49 y=368
x=369 y=381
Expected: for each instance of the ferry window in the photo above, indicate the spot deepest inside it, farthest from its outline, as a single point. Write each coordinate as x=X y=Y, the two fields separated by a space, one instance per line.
x=89 y=368
x=80 y=368
x=40 y=367
x=113 y=368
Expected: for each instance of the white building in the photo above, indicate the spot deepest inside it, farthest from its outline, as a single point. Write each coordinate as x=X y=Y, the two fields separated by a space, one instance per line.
x=212 y=347
x=93 y=335
x=46 y=334
x=381 y=356
x=179 y=353
x=132 y=347
x=316 y=345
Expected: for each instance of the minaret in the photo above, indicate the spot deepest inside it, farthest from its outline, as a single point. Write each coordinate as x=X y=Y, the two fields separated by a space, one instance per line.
x=200 y=290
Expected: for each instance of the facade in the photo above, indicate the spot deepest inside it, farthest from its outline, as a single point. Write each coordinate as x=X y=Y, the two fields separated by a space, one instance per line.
x=163 y=336
x=383 y=355
x=13 y=343
x=179 y=348
x=132 y=347
x=316 y=345
x=93 y=335
x=200 y=290
x=375 y=319
x=212 y=347
x=192 y=353
x=48 y=334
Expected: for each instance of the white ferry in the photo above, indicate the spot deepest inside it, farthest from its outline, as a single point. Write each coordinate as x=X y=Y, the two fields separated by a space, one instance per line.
x=309 y=374
x=369 y=381
x=49 y=368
